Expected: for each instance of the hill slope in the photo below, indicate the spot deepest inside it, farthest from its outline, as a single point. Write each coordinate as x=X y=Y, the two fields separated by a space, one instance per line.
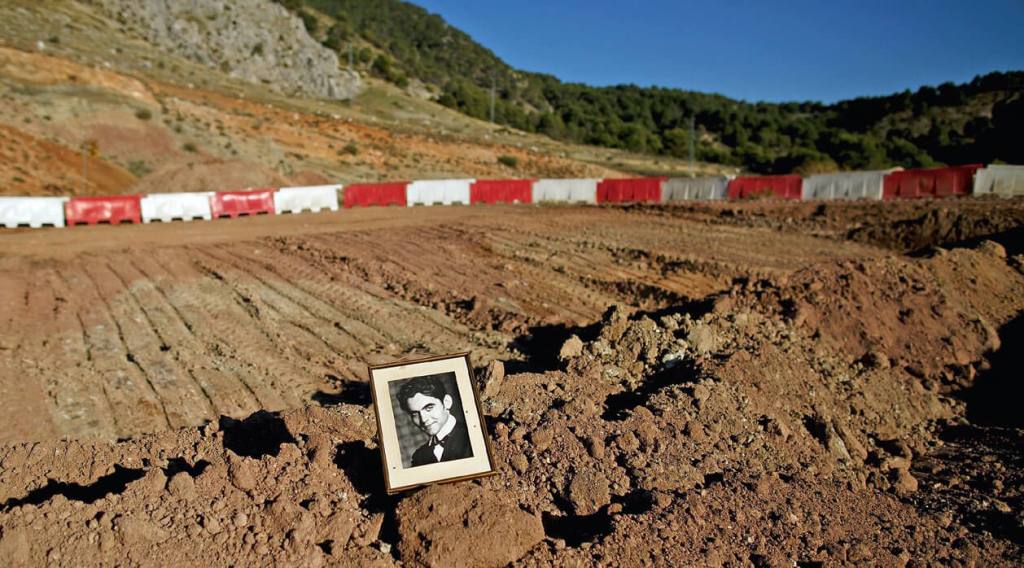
x=71 y=73
x=950 y=123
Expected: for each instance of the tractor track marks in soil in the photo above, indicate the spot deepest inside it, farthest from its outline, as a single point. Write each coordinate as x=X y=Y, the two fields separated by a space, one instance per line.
x=217 y=348
x=176 y=329
x=131 y=394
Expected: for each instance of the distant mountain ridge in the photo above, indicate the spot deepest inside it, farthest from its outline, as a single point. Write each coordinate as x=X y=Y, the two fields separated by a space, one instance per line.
x=972 y=122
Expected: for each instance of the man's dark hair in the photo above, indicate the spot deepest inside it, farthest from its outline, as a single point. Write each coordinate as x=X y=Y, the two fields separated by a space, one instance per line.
x=427 y=385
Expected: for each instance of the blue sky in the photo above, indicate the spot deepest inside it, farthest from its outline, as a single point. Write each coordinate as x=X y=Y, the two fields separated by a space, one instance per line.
x=825 y=50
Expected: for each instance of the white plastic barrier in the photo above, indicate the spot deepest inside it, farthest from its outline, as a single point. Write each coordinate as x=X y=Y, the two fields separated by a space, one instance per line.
x=703 y=188
x=565 y=190
x=313 y=198
x=32 y=211
x=845 y=185
x=443 y=191
x=167 y=207
x=999 y=180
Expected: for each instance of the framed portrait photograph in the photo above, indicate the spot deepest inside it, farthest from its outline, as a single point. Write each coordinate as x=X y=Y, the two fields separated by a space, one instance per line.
x=429 y=423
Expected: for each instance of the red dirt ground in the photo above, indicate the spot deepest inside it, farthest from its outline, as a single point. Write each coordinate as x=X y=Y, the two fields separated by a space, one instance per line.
x=674 y=386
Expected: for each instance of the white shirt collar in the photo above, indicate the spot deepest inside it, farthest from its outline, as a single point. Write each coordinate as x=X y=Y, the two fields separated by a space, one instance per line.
x=449 y=425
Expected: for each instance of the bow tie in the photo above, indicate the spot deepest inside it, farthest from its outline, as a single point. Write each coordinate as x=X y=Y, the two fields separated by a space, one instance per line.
x=434 y=441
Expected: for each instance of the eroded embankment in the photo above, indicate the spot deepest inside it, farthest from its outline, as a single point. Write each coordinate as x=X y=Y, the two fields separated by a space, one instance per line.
x=906 y=226
x=820 y=417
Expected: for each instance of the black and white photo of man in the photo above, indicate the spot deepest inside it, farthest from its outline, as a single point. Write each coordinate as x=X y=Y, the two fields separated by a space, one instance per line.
x=428 y=404
x=430 y=425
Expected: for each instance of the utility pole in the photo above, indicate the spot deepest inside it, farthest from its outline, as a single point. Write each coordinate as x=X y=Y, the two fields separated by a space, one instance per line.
x=492 y=97
x=89 y=149
x=693 y=144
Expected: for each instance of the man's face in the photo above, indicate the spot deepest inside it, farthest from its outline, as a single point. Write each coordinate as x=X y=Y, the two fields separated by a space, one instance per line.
x=429 y=413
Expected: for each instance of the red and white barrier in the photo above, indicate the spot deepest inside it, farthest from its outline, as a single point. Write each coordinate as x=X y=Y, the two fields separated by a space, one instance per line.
x=700 y=188
x=565 y=190
x=112 y=209
x=630 y=190
x=167 y=207
x=782 y=187
x=32 y=212
x=888 y=184
x=930 y=182
x=370 y=194
x=310 y=198
x=241 y=203
x=1002 y=180
x=846 y=185
x=439 y=191
x=493 y=191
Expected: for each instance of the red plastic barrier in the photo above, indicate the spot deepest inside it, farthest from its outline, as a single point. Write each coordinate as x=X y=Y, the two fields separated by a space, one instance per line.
x=367 y=194
x=501 y=191
x=783 y=187
x=931 y=182
x=113 y=209
x=238 y=203
x=630 y=190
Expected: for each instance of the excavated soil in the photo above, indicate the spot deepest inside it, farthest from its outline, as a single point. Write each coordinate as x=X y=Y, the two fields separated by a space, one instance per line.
x=663 y=386
x=904 y=226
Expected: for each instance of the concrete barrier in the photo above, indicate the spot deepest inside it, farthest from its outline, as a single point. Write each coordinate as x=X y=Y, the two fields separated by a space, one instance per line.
x=167 y=207
x=443 y=191
x=565 y=190
x=311 y=198
x=33 y=212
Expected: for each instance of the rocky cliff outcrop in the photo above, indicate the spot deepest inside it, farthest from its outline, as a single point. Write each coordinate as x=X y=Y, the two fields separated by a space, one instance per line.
x=255 y=40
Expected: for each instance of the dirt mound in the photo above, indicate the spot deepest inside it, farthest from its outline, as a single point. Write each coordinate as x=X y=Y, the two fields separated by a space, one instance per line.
x=731 y=431
x=932 y=316
x=942 y=226
x=904 y=226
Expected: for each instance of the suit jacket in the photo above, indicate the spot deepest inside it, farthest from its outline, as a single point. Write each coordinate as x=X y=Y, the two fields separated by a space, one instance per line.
x=456 y=447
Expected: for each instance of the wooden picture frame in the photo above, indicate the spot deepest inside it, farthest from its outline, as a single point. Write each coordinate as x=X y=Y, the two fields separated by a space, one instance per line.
x=430 y=424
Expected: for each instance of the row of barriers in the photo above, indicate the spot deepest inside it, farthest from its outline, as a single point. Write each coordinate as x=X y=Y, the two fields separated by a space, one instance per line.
x=1002 y=180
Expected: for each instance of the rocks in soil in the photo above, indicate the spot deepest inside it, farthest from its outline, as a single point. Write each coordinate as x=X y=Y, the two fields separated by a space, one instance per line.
x=465 y=524
x=903 y=482
x=589 y=492
x=491 y=379
x=572 y=348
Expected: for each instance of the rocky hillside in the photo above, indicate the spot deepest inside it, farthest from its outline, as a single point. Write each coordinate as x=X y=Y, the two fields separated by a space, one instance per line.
x=206 y=95
x=254 y=40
